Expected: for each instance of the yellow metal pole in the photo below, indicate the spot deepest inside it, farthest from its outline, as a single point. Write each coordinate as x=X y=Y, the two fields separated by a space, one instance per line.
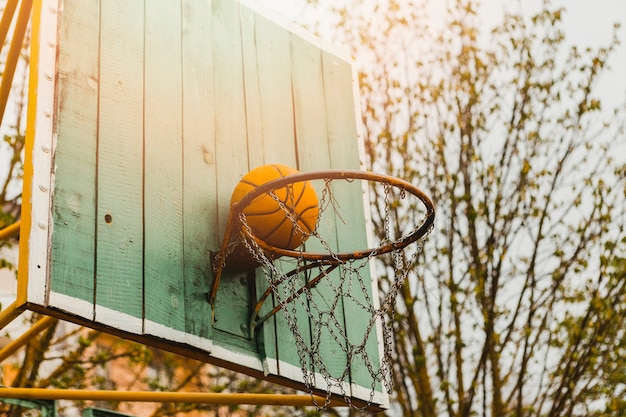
x=38 y=327
x=14 y=53
x=167 y=397
x=27 y=179
x=10 y=313
x=7 y=18
x=10 y=231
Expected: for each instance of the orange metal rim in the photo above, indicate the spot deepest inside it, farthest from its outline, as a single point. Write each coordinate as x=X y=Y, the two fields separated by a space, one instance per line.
x=349 y=175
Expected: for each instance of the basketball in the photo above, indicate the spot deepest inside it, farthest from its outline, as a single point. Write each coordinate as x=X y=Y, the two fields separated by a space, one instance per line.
x=268 y=220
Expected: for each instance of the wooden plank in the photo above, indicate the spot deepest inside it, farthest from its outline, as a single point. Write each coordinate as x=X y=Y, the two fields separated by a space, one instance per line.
x=277 y=145
x=253 y=82
x=314 y=154
x=252 y=101
x=231 y=150
x=164 y=307
x=199 y=176
x=74 y=202
x=276 y=108
x=341 y=120
x=351 y=232
x=119 y=229
x=231 y=155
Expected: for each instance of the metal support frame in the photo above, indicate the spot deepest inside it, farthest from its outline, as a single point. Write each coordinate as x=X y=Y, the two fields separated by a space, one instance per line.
x=10 y=231
x=169 y=397
x=13 y=310
x=16 y=45
x=7 y=17
x=37 y=328
x=10 y=313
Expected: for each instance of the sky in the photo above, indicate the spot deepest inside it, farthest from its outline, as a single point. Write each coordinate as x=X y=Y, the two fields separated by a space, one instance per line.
x=586 y=23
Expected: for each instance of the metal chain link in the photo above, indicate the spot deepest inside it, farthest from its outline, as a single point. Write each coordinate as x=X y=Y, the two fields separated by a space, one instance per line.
x=349 y=284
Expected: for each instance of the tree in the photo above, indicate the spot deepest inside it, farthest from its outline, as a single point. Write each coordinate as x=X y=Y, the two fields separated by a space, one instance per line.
x=517 y=303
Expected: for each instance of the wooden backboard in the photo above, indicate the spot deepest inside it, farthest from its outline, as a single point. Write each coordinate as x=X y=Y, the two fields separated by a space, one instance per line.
x=144 y=116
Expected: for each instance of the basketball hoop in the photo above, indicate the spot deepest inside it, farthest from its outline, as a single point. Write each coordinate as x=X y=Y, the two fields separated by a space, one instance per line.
x=347 y=271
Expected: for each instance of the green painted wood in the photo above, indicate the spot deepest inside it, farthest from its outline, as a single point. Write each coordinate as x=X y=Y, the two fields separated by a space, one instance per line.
x=200 y=234
x=230 y=116
x=351 y=232
x=231 y=156
x=278 y=145
x=254 y=81
x=314 y=154
x=73 y=243
x=276 y=107
x=252 y=102
x=192 y=95
x=341 y=130
x=119 y=267
x=163 y=169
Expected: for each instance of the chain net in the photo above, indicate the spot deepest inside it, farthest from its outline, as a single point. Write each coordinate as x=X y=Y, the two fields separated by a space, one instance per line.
x=339 y=317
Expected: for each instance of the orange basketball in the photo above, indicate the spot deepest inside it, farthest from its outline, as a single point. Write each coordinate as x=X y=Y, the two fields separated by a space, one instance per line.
x=264 y=214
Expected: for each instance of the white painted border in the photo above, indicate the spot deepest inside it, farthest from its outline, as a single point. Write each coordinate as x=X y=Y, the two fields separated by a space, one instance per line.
x=178 y=336
x=294 y=372
x=43 y=151
x=380 y=398
x=72 y=305
x=270 y=366
x=84 y=309
x=237 y=358
x=118 y=320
